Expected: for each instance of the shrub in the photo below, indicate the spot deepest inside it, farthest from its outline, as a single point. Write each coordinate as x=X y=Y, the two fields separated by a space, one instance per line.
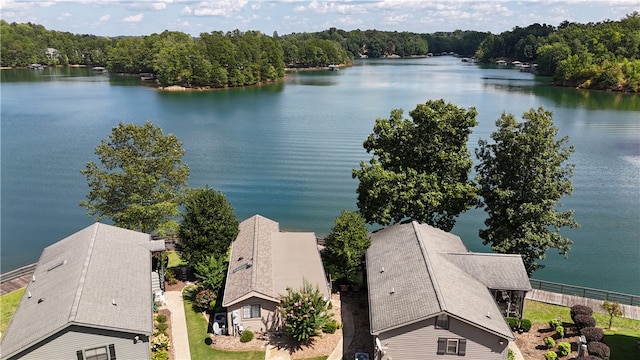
x=592 y=334
x=553 y=324
x=160 y=342
x=161 y=318
x=303 y=311
x=564 y=348
x=584 y=321
x=162 y=327
x=599 y=349
x=560 y=330
x=170 y=277
x=551 y=355
x=525 y=324
x=331 y=326
x=514 y=323
x=203 y=300
x=580 y=309
x=160 y=355
x=549 y=342
x=246 y=336
x=511 y=355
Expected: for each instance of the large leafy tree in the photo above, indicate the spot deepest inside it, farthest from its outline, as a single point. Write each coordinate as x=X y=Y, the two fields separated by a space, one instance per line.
x=522 y=177
x=141 y=181
x=211 y=272
x=420 y=168
x=346 y=245
x=208 y=226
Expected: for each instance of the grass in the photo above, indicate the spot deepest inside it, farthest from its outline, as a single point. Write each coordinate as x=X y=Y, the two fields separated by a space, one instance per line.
x=175 y=260
x=197 y=332
x=8 y=304
x=621 y=338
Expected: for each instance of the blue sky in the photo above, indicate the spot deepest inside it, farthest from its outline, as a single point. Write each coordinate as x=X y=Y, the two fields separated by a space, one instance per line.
x=144 y=17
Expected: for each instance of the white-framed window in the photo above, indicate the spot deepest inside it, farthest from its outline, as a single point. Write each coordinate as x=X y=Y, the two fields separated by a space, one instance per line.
x=251 y=311
x=442 y=321
x=98 y=353
x=452 y=346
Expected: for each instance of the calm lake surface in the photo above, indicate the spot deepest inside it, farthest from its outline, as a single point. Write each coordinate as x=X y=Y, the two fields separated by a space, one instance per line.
x=286 y=151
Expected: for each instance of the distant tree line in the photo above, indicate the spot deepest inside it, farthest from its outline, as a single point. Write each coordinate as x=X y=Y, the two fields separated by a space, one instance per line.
x=604 y=55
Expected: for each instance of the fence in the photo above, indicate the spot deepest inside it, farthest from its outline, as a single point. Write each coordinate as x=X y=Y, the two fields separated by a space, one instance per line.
x=585 y=292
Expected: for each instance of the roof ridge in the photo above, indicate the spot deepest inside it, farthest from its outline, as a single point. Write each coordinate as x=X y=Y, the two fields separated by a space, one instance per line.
x=83 y=275
x=427 y=258
x=254 y=252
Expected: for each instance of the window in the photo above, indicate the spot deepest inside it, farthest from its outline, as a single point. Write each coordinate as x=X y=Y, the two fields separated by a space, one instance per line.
x=452 y=346
x=99 y=353
x=442 y=322
x=251 y=311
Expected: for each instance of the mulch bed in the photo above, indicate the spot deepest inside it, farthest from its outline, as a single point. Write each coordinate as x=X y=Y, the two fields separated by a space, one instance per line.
x=531 y=344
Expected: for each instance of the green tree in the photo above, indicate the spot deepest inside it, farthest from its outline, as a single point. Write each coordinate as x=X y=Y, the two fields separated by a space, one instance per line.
x=613 y=309
x=208 y=226
x=211 y=272
x=522 y=178
x=141 y=181
x=304 y=312
x=346 y=245
x=420 y=168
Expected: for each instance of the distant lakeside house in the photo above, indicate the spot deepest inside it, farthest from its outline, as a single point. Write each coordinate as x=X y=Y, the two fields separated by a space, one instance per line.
x=430 y=298
x=90 y=298
x=264 y=262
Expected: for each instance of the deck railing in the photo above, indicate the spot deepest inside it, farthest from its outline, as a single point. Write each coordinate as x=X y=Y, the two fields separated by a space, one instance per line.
x=14 y=274
x=586 y=292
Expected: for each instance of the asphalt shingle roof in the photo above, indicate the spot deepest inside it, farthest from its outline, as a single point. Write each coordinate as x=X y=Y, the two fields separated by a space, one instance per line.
x=411 y=278
x=78 y=280
x=265 y=261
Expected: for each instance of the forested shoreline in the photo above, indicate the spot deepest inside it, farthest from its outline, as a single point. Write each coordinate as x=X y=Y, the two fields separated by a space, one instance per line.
x=603 y=55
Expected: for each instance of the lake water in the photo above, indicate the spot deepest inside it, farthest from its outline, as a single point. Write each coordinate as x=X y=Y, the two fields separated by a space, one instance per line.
x=286 y=151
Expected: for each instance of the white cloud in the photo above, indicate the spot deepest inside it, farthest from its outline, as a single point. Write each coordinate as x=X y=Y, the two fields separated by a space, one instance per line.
x=223 y=8
x=104 y=18
x=186 y=10
x=159 y=6
x=134 y=18
x=64 y=15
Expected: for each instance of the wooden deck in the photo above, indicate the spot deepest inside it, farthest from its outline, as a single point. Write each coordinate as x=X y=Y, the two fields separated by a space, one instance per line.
x=16 y=279
x=631 y=312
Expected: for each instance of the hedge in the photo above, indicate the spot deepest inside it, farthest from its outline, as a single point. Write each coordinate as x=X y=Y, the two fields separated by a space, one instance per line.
x=599 y=349
x=592 y=334
x=584 y=321
x=580 y=309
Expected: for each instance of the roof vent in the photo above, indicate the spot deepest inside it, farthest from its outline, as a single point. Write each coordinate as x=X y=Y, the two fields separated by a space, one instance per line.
x=393 y=290
x=382 y=270
x=33 y=278
x=488 y=315
x=113 y=302
x=29 y=294
x=40 y=300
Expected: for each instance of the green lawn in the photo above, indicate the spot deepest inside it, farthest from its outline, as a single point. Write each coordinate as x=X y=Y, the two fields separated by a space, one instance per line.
x=8 y=304
x=621 y=338
x=175 y=260
x=197 y=329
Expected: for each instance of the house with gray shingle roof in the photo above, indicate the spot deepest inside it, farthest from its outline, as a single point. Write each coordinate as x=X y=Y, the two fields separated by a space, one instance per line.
x=430 y=298
x=264 y=262
x=89 y=298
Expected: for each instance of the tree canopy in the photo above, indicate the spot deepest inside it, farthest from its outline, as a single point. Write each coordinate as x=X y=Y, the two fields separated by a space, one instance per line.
x=420 y=168
x=522 y=177
x=346 y=245
x=141 y=180
x=209 y=226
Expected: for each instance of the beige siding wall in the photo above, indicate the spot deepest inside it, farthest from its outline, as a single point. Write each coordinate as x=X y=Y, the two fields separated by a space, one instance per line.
x=66 y=344
x=420 y=341
x=266 y=320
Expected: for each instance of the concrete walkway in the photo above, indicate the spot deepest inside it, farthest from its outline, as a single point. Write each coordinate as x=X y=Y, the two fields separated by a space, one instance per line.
x=516 y=351
x=178 y=325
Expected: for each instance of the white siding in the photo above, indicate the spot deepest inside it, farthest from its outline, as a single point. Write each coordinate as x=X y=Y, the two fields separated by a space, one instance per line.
x=420 y=341
x=65 y=345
